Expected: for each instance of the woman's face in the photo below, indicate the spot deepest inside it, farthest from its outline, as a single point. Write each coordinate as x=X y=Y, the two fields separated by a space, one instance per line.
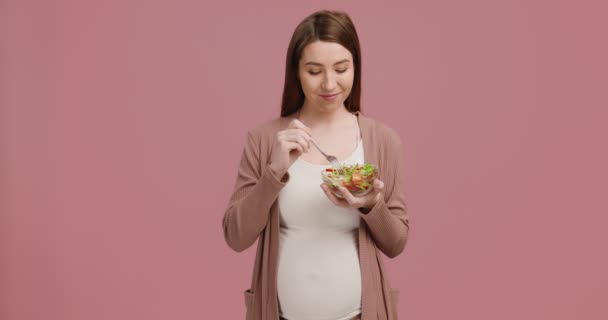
x=326 y=72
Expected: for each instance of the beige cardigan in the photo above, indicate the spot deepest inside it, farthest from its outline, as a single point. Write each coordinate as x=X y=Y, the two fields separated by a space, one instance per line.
x=253 y=213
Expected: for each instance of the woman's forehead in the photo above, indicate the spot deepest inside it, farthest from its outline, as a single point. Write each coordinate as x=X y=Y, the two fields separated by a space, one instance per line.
x=325 y=53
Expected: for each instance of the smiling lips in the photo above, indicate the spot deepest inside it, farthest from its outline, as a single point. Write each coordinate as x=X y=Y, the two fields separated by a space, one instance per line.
x=329 y=97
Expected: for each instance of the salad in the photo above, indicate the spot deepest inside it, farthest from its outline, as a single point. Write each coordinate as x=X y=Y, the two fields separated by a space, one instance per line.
x=358 y=179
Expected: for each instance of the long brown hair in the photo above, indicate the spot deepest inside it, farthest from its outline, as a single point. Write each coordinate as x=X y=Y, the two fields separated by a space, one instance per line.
x=323 y=25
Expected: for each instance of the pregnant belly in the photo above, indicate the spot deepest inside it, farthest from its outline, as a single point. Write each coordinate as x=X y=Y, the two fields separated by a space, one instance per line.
x=319 y=276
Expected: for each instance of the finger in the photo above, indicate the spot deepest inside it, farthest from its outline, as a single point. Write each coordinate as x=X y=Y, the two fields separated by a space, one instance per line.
x=301 y=132
x=289 y=146
x=378 y=185
x=352 y=200
x=292 y=130
x=298 y=124
x=376 y=194
x=298 y=133
x=332 y=197
x=298 y=138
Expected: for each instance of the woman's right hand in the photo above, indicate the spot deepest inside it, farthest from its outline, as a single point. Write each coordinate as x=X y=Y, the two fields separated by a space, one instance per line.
x=289 y=144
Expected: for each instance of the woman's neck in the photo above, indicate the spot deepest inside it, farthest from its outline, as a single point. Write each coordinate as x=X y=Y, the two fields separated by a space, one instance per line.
x=314 y=118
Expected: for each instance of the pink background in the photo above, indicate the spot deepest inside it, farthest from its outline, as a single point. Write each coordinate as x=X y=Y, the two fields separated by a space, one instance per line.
x=122 y=124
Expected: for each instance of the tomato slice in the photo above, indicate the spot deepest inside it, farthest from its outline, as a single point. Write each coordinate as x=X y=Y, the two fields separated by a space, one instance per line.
x=349 y=186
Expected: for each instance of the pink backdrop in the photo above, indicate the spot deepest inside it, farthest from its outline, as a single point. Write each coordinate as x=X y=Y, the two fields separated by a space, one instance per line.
x=122 y=124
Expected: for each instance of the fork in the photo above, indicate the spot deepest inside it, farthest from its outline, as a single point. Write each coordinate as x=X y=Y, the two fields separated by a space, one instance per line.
x=332 y=160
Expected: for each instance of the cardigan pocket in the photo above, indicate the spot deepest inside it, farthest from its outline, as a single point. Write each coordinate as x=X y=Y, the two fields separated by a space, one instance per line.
x=249 y=300
x=394 y=301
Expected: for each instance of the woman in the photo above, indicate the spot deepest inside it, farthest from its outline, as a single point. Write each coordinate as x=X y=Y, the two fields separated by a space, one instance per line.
x=317 y=254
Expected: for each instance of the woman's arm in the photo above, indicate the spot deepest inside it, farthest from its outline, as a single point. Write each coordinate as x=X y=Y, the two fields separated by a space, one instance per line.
x=388 y=219
x=255 y=191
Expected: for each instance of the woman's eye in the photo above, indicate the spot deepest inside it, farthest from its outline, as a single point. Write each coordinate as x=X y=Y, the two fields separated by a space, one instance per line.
x=314 y=73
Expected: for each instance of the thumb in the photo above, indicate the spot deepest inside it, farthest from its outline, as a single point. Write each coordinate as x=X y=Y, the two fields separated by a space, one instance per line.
x=378 y=185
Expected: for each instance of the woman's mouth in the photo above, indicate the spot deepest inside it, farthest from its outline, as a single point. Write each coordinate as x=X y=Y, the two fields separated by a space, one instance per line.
x=329 y=97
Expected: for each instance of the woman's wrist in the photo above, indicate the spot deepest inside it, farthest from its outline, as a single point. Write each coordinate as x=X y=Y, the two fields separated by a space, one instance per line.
x=366 y=208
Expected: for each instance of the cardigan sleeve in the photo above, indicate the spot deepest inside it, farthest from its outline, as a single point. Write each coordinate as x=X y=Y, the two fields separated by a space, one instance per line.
x=388 y=220
x=254 y=193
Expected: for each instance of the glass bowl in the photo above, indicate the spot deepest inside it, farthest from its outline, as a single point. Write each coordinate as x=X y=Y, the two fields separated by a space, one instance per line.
x=358 y=179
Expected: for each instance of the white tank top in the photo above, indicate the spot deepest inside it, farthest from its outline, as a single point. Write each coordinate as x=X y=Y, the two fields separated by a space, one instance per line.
x=319 y=277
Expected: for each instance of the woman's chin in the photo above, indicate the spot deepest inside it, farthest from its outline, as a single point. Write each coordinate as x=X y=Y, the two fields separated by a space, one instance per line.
x=323 y=106
x=330 y=105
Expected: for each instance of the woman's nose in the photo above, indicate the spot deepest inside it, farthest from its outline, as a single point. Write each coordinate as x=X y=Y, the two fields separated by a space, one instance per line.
x=329 y=83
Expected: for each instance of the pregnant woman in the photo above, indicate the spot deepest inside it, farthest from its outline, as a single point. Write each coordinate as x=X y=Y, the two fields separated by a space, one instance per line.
x=319 y=256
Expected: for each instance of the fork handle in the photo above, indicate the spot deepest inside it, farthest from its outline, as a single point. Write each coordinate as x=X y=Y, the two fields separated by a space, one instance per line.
x=316 y=146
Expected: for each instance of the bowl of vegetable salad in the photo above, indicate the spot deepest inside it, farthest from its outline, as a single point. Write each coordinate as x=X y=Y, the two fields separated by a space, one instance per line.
x=357 y=178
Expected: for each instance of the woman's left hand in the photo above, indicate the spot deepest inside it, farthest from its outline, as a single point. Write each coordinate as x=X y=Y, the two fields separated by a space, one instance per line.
x=350 y=201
